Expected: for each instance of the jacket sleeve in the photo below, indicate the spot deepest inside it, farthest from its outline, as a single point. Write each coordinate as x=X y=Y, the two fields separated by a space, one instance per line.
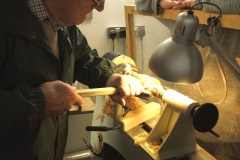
x=231 y=6
x=18 y=104
x=89 y=68
x=146 y=6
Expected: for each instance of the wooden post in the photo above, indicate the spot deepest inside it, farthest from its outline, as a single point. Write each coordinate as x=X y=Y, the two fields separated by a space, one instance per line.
x=130 y=34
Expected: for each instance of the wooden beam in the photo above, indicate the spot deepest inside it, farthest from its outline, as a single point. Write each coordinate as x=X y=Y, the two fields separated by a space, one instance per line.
x=226 y=20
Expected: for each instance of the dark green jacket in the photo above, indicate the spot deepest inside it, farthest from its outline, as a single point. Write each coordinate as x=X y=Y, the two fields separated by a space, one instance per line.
x=26 y=61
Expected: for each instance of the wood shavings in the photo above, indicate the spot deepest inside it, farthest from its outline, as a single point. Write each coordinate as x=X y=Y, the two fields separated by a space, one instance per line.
x=101 y=118
x=154 y=146
x=98 y=145
x=140 y=138
x=134 y=102
x=108 y=107
x=129 y=115
x=131 y=101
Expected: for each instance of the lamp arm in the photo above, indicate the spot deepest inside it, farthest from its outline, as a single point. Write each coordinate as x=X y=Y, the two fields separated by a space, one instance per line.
x=231 y=63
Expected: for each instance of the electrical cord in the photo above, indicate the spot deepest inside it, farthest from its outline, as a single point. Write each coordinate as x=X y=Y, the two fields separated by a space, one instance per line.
x=141 y=34
x=124 y=48
x=212 y=19
x=112 y=34
x=223 y=75
x=90 y=147
x=215 y=21
x=122 y=34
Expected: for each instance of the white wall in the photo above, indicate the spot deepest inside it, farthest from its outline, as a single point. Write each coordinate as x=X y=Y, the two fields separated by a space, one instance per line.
x=95 y=30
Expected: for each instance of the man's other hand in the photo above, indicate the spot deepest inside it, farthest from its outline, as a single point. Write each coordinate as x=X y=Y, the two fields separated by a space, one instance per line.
x=60 y=97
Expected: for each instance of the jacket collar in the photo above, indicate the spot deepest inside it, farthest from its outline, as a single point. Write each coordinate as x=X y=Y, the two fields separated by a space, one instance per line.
x=16 y=18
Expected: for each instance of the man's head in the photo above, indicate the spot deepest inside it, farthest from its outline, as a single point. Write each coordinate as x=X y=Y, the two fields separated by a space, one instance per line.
x=70 y=12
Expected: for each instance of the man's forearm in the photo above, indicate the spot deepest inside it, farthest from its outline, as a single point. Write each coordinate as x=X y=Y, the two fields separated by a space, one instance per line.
x=147 y=6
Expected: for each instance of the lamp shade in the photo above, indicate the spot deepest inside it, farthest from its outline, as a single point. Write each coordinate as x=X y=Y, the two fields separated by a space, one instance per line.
x=178 y=59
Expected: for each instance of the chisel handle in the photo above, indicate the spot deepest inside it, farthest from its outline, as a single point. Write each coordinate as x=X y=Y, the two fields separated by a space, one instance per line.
x=97 y=91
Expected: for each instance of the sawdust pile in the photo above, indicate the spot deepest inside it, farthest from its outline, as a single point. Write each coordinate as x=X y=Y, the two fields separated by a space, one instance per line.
x=131 y=101
x=154 y=147
x=140 y=138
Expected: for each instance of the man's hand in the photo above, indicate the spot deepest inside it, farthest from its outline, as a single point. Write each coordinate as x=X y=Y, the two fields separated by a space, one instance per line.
x=176 y=4
x=126 y=85
x=60 y=97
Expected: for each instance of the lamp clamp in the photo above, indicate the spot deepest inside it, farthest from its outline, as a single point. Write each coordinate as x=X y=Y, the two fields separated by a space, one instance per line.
x=213 y=20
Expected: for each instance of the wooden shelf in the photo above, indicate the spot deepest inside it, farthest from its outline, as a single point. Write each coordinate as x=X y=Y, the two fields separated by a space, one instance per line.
x=226 y=21
x=87 y=107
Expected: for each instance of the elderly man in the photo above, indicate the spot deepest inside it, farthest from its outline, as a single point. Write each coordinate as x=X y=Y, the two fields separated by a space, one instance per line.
x=42 y=54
